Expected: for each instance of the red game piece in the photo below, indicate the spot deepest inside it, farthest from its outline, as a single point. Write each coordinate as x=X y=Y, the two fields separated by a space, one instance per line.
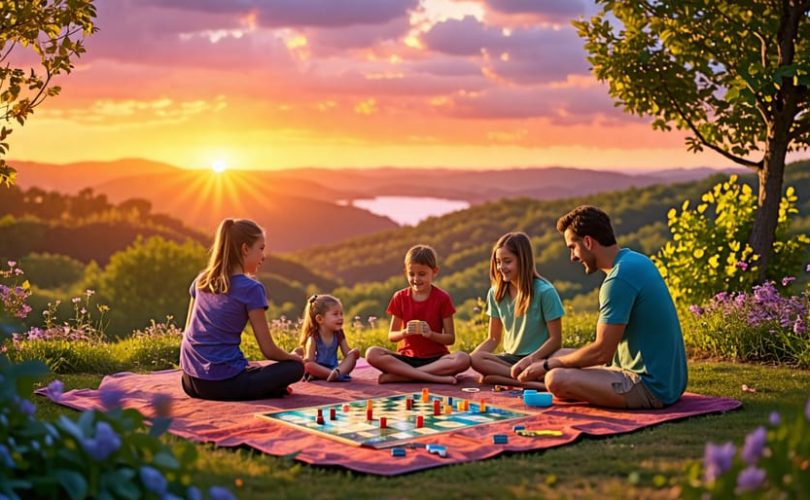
x=369 y=415
x=420 y=421
x=383 y=423
x=332 y=414
x=409 y=404
x=436 y=407
x=345 y=408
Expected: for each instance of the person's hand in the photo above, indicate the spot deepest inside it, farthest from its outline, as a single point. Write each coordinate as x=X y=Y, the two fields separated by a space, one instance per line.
x=426 y=332
x=534 y=372
x=295 y=357
x=521 y=365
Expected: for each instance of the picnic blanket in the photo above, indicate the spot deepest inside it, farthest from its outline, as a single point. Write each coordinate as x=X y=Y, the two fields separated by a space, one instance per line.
x=231 y=424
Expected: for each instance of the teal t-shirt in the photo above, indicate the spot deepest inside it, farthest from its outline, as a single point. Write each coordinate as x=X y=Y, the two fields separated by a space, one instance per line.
x=525 y=334
x=634 y=294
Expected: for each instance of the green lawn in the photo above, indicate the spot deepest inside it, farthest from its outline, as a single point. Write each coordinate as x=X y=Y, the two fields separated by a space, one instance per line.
x=647 y=463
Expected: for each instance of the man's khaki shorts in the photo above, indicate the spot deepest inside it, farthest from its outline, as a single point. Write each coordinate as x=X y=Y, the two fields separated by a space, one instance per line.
x=629 y=385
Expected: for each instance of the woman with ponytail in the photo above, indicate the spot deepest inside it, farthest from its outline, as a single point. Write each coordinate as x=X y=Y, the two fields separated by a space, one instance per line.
x=224 y=297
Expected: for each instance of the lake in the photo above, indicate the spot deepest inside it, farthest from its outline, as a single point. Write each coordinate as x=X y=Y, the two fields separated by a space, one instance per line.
x=408 y=210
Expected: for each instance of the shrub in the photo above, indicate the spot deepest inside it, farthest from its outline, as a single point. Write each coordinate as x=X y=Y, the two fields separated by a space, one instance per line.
x=760 y=325
x=709 y=252
x=772 y=463
x=101 y=454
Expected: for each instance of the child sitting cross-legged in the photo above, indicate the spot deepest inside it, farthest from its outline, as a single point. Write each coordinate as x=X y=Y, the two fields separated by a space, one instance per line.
x=322 y=336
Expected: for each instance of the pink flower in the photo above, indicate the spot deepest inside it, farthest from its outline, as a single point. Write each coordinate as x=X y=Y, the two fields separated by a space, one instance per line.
x=742 y=265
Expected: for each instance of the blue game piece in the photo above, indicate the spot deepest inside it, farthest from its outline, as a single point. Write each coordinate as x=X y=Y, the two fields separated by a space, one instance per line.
x=518 y=428
x=539 y=399
x=397 y=452
x=500 y=439
x=437 y=449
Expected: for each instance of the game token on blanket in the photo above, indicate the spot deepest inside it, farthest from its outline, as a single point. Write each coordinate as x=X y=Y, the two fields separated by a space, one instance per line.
x=398 y=452
x=500 y=439
x=470 y=389
x=391 y=423
x=538 y=432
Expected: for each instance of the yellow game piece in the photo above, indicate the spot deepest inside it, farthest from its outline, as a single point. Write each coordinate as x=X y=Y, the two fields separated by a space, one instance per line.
x=483 y=406
x=369 y=405
x=448 y=409
x=460 y=406
x=425 y=395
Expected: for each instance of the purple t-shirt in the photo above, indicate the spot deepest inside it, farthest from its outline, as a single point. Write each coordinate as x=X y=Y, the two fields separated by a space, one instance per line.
x=210 y=348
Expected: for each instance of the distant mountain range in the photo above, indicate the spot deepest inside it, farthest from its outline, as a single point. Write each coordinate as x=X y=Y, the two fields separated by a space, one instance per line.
x=299 y=207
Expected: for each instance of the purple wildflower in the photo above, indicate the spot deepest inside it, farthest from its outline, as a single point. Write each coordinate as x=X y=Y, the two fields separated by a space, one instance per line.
x=220 y=493
x=193 y=493
x=788 y=280
x=111 y=398
x=754 y=444
x=26 y=407
x=5 y=457
x=721 y=297
x=153 y=480
x=696 y=310
x=717 y=459
x=807 y=269
x=104 y=444
x=12 y=263
x=750 y=479
x=775 y=419
x=799 y=328
x=742 y=265
x=55 y=390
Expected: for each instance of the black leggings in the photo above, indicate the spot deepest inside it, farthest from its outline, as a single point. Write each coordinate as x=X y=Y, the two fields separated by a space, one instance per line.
x=256 y=382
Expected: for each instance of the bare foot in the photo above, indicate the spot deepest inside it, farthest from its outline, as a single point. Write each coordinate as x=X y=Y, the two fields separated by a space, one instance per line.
x=450 y=379
x=390 y=378
x=333 y=375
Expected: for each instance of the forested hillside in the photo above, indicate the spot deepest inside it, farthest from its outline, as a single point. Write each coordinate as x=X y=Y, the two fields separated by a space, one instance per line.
x=464 y=240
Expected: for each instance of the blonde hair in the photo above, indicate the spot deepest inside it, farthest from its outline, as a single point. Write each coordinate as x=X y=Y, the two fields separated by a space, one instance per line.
x=422 y=254
x=226 y=253
x=317 y=304
x=519 y=244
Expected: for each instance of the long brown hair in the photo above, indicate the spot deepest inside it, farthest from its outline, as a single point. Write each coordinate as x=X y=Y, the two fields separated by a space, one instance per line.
x=226 y=253
x=519 y=244
x=316 y=304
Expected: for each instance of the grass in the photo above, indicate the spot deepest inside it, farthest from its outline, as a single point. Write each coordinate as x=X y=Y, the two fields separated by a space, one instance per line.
x=648 y=463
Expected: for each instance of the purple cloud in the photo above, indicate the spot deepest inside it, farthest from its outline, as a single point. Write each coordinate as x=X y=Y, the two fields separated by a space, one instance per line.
x=301 y=13
x=524 y=55
x=551 y=9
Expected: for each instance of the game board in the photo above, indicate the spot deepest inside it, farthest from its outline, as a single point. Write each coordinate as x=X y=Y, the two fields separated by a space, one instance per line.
x=351 y=425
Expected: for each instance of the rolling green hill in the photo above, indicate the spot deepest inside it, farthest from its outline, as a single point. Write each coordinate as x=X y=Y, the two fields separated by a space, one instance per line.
x=370 y=267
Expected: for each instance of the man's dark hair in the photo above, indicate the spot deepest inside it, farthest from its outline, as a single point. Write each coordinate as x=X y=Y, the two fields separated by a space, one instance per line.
x=587 y=220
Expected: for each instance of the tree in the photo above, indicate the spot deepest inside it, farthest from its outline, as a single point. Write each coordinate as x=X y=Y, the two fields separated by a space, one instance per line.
x=54 y=31
x=733 y=73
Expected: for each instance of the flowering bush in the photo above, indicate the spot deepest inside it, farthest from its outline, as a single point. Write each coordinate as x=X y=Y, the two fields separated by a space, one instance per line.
x=101 y=454
x=709 y=252
x=13 y=294
x=773 y=462
x=762 y=325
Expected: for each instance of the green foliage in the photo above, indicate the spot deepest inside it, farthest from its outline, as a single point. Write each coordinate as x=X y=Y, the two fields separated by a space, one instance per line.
x=52 y=31
x=772 y=463
x=734 y=74
x=46 y=270
x=708 y=252
x=150 y=279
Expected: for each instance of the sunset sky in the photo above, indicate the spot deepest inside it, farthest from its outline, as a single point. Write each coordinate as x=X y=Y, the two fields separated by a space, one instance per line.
x=342 y=83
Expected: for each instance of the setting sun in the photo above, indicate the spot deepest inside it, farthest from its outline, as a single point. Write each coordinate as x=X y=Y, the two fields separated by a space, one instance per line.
x=219 y=166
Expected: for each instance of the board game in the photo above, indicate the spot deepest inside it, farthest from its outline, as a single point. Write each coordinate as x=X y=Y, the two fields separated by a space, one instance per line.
x=393 y=419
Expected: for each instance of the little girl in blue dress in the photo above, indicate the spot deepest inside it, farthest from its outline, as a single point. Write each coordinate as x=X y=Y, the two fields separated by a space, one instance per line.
x=321 y=337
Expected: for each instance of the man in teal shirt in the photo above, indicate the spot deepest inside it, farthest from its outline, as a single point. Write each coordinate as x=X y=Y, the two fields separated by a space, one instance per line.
x=638 y=331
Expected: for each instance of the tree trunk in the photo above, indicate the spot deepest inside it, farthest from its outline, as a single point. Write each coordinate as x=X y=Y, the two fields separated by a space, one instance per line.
x=771 y=175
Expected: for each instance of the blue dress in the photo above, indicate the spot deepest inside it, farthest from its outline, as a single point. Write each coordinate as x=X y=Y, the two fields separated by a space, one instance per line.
x=327 y=355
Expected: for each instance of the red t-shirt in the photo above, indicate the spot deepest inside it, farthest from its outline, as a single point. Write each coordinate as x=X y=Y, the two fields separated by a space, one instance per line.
x=434 y=309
